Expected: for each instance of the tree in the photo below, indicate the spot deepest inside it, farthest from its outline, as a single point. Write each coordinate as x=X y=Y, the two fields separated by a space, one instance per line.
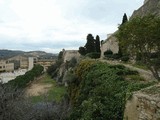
x=97 y=44
x=141 y=36
x=82 y=50
x=90 y=45
x=125 y=19
x=60 y=55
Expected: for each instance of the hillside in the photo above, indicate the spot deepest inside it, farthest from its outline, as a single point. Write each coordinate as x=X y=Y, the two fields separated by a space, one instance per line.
x=9 y=53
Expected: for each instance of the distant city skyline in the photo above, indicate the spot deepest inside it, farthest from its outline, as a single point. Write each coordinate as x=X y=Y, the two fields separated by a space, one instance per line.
x=51 y=25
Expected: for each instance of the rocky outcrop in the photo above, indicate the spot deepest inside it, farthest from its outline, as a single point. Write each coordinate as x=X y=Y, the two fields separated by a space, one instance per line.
x=149 y=7
x=144 y=105
x=69 y=60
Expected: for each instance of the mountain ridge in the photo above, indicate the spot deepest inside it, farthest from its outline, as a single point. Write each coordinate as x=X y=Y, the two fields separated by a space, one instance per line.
x=5 y=54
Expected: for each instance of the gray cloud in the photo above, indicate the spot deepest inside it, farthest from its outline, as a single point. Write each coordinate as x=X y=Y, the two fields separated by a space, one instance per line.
x=60 y=24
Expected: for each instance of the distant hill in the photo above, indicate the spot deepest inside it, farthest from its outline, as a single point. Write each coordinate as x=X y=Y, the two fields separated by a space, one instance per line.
x=5 y=54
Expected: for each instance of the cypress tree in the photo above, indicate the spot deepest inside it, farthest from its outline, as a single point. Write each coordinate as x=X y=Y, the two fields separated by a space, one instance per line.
x=97 y=44
x=125 y=19
x=90 y=45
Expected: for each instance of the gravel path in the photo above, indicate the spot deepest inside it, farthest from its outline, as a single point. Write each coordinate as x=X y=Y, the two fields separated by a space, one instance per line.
x=37 y=89
x=144 y=73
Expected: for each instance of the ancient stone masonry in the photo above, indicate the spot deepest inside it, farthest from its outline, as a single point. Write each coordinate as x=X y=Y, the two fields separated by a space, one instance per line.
x=69 y=54
x=111 y=43
x=144 y=105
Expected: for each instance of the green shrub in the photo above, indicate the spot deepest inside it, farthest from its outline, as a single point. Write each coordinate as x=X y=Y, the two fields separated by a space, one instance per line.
x=93 y=55
x=99 y=91
x=99 y=86
x=125 y=58
x=108 y=52
x=116 y=56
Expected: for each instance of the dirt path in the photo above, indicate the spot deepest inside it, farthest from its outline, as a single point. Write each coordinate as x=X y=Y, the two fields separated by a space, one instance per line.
x=37 y=87
x=144 y=73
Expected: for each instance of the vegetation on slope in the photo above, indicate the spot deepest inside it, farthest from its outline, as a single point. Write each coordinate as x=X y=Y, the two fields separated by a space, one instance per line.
x=100 y=90
x=23 y=80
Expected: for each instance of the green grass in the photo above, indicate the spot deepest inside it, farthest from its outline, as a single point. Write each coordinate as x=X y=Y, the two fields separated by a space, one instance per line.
x=140 y=65
x=48 y=80
x=135 y=78
x=55 y=93
x=36 y=99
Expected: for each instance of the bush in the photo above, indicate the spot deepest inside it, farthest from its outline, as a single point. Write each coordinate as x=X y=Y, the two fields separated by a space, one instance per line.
x=108 y=52
x=138 y=57
x=125 y=58
x=99 y=92
x=116 y=56
x=23 y=80
x=13 y=106
x=93 y=55
x=82 y=50
x=99 y=86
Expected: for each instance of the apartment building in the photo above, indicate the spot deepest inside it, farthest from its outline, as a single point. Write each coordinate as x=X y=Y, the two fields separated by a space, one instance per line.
x=5 y=66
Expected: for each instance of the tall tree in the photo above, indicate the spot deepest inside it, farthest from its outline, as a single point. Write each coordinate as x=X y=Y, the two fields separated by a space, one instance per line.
x=141 y=36
x=90 y=45
x=97 y=44
x=125 y=19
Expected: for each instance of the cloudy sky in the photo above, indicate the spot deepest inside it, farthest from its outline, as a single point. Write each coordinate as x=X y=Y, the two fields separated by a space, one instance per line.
x=51 y=25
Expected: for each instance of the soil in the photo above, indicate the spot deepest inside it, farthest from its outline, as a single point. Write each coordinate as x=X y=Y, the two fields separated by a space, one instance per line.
x=37 y=88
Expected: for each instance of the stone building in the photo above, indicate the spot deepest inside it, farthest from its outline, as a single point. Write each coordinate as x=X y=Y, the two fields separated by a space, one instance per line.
x=19 y=61
x=5 y=66
x=22 y=62
x=69 y=54
x=111 y=43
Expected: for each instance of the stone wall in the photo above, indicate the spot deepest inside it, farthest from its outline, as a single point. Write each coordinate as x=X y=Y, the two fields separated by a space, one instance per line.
x=69 y=54
x=144 y=105
x=110 y=44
